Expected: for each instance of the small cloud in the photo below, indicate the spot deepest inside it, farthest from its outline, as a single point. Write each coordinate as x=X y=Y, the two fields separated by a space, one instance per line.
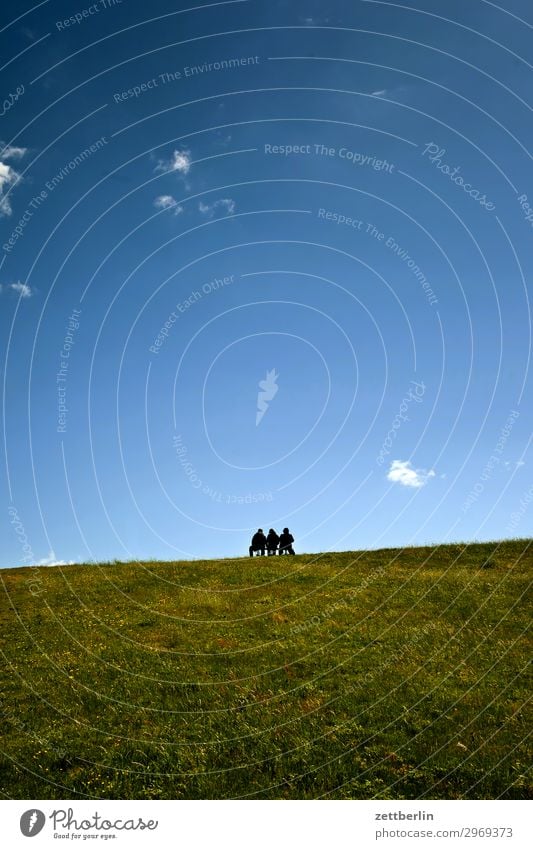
x=401 y=471
x=180 y=162
x=51 y=560
x=8 y=176
x=22 y=289
x=9 y=151
x=168 y=202
x=226 y=204
x=164 y=202
x=379 y=93
x=513 y=464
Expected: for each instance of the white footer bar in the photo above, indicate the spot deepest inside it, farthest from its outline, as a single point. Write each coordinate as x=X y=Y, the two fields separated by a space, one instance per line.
x=268 y=824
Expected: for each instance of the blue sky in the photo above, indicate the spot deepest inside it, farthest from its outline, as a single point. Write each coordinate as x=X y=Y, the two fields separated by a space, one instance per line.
x=331 y=200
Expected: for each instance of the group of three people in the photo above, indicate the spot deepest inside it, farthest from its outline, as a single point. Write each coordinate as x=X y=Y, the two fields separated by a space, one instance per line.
x=270 y=543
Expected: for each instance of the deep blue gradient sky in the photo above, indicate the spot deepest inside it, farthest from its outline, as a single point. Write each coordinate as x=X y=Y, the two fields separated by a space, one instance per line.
x=299 y=209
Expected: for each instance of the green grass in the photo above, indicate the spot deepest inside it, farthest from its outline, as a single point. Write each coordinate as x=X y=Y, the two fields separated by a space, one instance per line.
x=390 y=674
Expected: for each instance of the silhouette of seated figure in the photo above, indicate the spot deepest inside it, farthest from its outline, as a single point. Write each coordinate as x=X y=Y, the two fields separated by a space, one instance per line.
x=272 y=542
x=258 y=543
x=285 y=542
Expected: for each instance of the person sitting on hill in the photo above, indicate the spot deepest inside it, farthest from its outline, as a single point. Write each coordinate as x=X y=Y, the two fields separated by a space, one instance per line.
x=258 y=543
x=272 y=541
x=285 y=542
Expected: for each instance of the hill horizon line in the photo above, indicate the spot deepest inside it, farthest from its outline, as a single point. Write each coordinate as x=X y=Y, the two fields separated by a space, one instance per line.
x=360 y=551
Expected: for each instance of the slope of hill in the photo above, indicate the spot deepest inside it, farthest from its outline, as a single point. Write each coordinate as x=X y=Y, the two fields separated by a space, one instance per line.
x=393 y=674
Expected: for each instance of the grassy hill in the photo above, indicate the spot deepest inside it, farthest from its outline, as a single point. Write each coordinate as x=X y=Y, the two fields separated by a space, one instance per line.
x=393 y=674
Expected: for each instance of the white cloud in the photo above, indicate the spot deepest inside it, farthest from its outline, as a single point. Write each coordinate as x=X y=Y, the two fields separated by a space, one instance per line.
x=180 y=162
x=9 y=151
x=513 y=464
x=226 y=204
x=51 y=560
x=164 y=201
x=168 y=202
x=313 y=20
x=379 y=93
x=401 y=471
x=22 y=289
x=8 y=176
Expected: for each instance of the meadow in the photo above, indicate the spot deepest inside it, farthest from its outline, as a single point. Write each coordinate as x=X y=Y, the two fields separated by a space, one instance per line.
x=391 y=674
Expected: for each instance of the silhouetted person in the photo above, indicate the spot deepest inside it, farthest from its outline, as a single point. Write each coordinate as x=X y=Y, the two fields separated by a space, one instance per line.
x=258 y=543
x=285 y=542
x=272 y=542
